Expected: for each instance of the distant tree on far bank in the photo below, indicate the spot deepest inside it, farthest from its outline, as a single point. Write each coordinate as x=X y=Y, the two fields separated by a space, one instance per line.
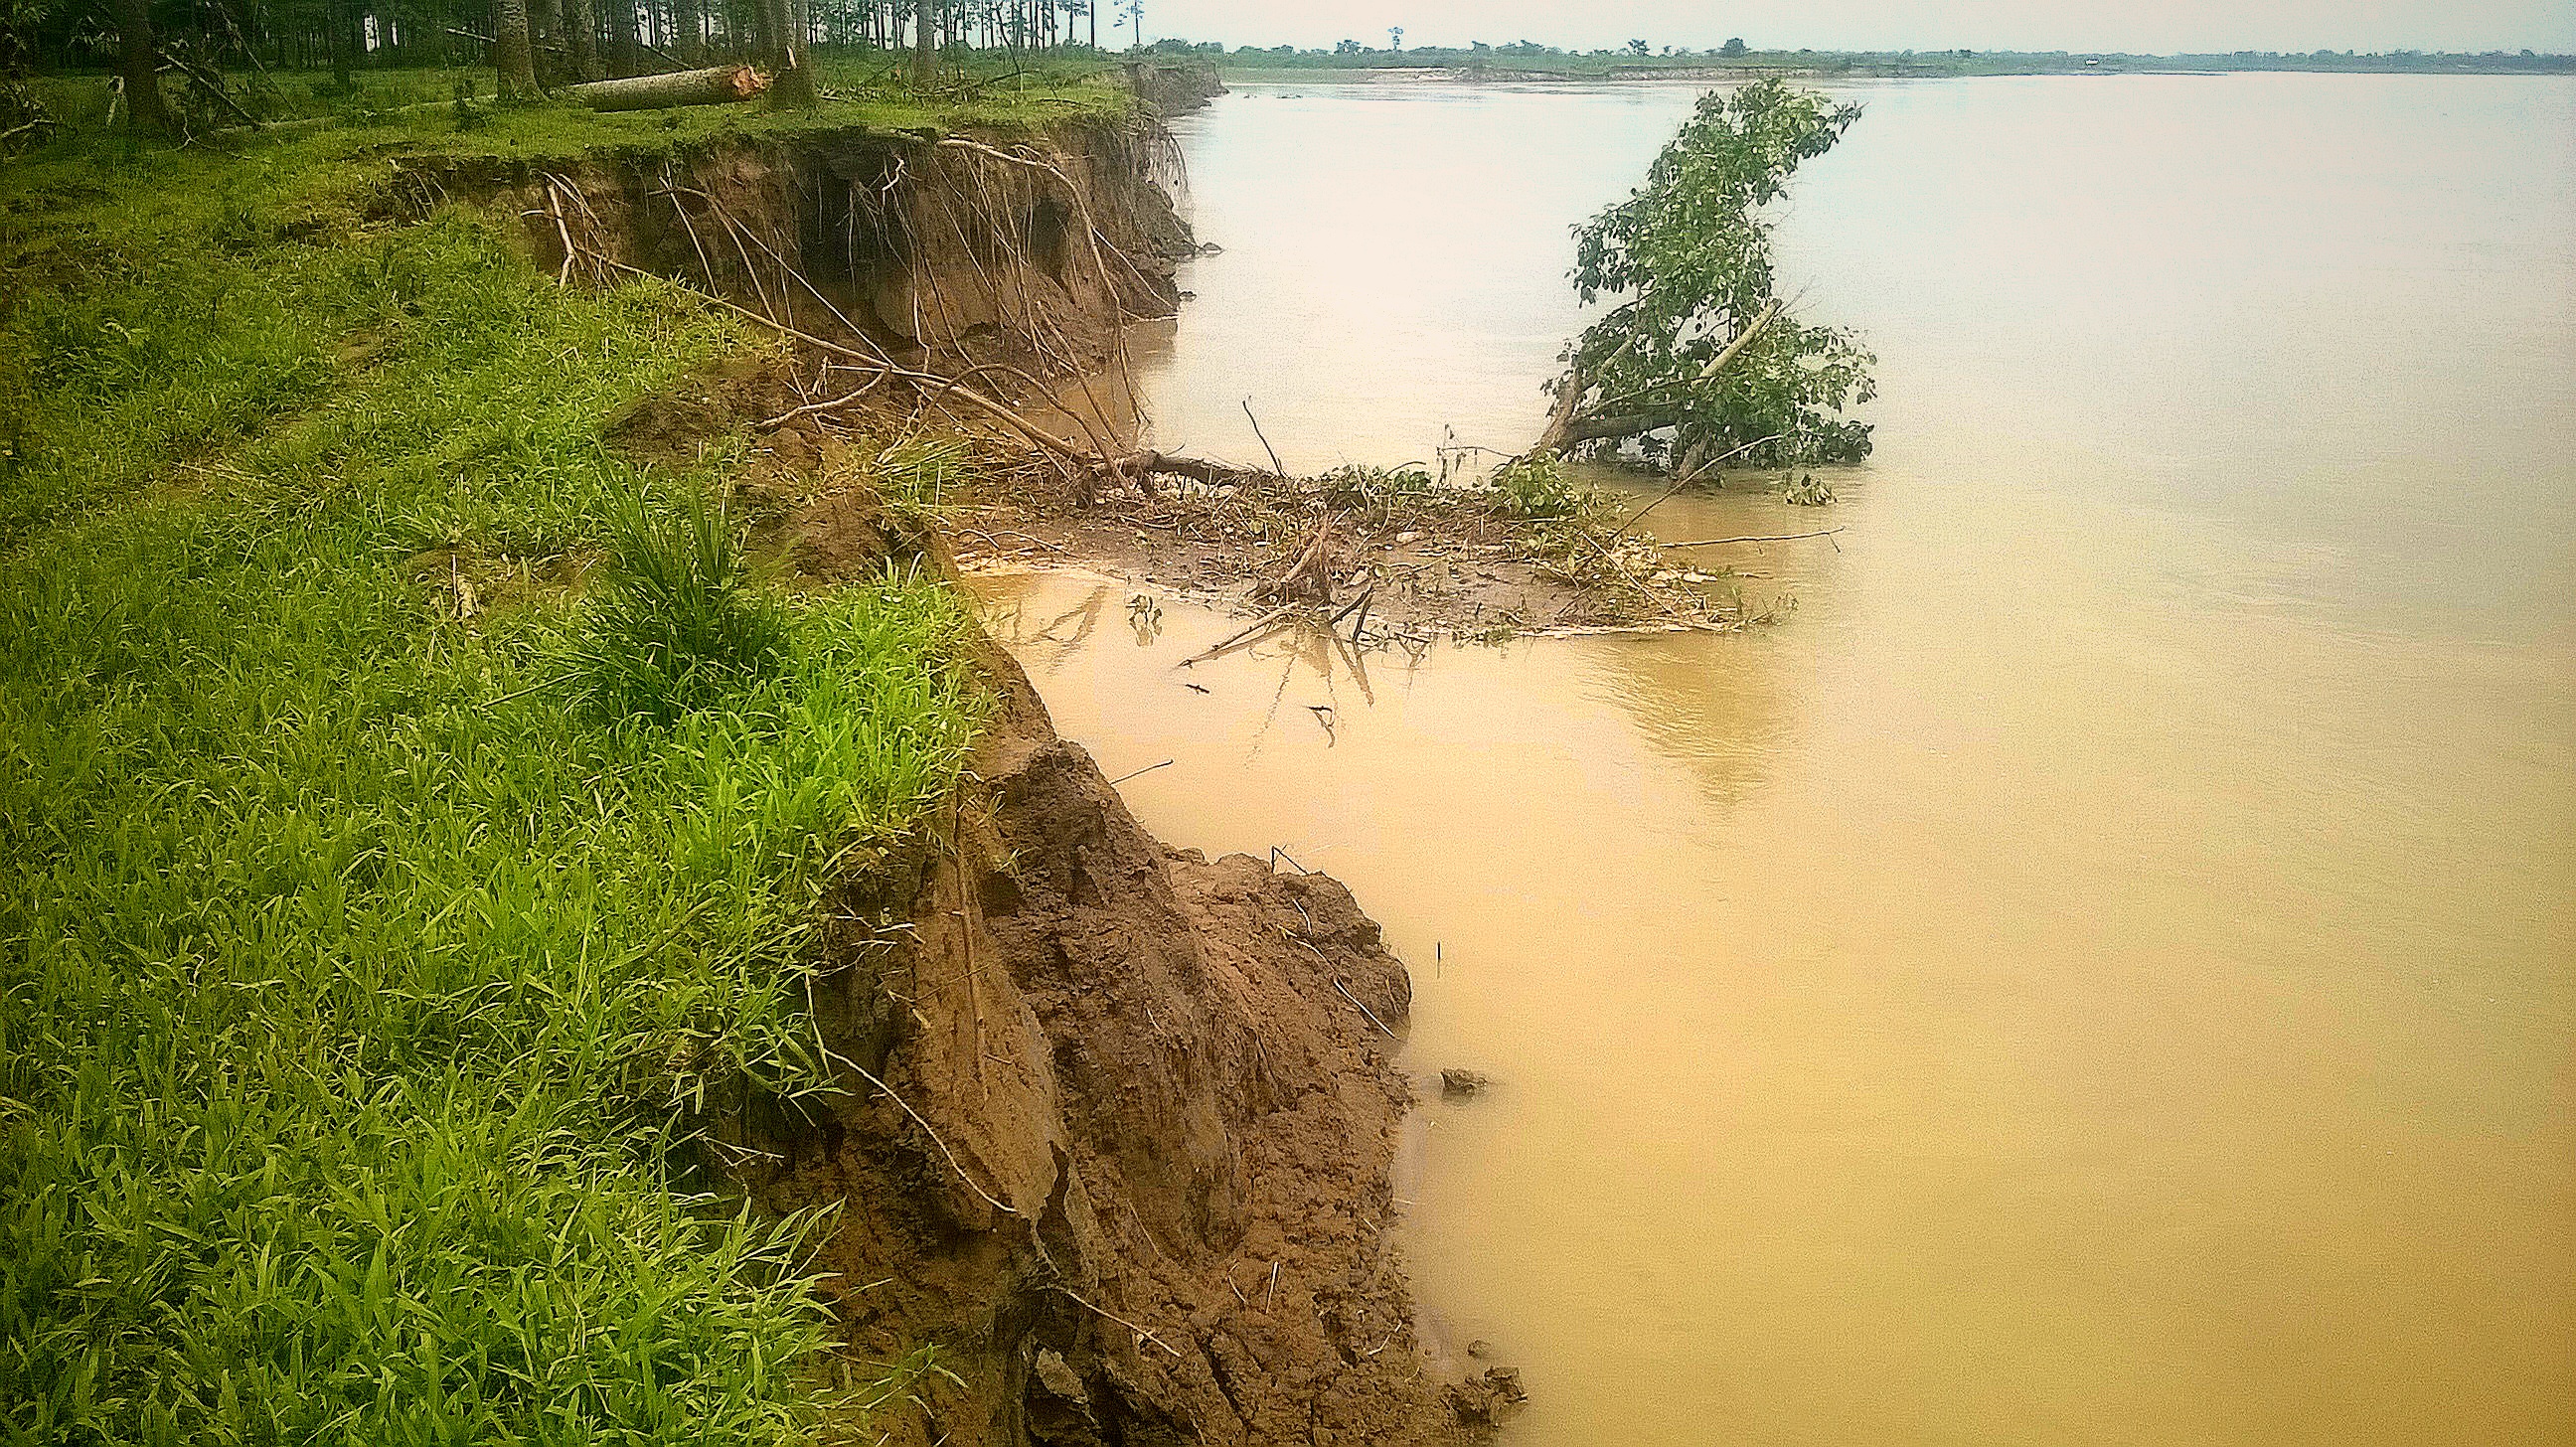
x=1732 y=49
x=1700 y=358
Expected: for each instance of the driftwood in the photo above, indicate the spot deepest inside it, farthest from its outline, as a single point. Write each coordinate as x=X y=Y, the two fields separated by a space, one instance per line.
x=1756 y=538
x=1150 y=463
x=1312 y=576
x=715 y=85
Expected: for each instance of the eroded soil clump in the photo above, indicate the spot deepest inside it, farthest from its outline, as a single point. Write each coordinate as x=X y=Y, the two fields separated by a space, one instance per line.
x=1123 y=1139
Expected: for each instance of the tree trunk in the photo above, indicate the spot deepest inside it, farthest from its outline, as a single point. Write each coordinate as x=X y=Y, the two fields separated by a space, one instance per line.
x=925 y=56
x=792 y=82
x=545 y=42
x=335 y=27
x=138 y=59
x=512 y=53
x=715 y=85
x=1601 y=429
x=624 y=55
x=1565 y=429
x=581 y=37
x=688 y=31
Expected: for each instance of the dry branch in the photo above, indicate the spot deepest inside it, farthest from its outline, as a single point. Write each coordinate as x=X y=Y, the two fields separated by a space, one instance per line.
x=1138 y=467
x=1313 y=573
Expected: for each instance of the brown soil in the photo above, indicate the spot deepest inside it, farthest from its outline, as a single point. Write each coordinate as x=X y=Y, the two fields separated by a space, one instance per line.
x=942 y=252
x=1129 y=1162
x=1121 y=1119
x=1174 y=88
x=1003 y=263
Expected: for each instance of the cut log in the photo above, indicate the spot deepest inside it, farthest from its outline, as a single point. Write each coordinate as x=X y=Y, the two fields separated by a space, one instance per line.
x=715 y=85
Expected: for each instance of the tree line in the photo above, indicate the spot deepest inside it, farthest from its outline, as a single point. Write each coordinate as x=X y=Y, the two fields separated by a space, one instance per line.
x=534 y=45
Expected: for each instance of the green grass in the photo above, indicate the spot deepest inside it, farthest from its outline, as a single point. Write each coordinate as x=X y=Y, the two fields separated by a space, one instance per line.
x=361 y=983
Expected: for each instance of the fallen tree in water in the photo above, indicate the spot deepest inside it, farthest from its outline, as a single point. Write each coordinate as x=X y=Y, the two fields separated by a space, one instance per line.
x=1702 y=358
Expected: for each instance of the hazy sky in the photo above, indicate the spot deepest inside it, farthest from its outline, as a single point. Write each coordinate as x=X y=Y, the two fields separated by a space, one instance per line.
x=2161 y=26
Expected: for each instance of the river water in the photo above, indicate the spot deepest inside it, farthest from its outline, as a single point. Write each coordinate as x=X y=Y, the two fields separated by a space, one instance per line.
x=2102 y=966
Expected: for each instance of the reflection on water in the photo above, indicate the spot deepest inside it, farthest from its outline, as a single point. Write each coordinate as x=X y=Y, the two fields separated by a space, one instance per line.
x=2103 y=968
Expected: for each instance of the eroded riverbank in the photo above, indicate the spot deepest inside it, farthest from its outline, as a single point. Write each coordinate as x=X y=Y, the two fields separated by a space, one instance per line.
x=1097 y=1087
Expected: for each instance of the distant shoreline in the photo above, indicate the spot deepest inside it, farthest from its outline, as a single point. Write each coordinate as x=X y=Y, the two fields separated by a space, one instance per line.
x=1820 y=65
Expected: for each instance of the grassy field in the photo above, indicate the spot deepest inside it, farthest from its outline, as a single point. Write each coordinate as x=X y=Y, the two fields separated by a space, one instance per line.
x=418 y=107
x=413 y=811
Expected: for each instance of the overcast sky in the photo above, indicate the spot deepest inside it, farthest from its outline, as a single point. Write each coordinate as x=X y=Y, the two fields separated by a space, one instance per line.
x=2159 y=26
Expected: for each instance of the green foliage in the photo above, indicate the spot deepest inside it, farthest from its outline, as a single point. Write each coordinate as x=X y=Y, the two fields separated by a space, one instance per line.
x=1537 y=486
x=355 y=999
x=1374 y=493
x=1689 y=254
x=469 y=117
x=913 y=476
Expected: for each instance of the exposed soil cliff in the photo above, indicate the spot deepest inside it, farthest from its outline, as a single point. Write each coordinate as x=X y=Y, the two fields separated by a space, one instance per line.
x=1174 y=87
x=1120 y=1119
x=948 y=251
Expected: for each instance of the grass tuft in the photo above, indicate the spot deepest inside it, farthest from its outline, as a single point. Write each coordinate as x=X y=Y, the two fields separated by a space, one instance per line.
x=676 y=622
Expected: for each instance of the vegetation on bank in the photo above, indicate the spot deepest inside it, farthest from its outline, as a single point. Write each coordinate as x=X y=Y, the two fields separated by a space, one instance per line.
x=416 y=816
x=185 y=70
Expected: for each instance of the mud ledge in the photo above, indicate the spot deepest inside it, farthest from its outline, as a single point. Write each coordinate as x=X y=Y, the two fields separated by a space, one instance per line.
x=1121 y=1120
x=1432 y=560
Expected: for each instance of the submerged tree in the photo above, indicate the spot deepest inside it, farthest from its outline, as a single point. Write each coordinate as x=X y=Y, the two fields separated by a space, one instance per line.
x=1700 y=360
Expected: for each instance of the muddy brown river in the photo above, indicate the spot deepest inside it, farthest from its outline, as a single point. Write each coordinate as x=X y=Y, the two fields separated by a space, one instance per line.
x=2101 y=967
